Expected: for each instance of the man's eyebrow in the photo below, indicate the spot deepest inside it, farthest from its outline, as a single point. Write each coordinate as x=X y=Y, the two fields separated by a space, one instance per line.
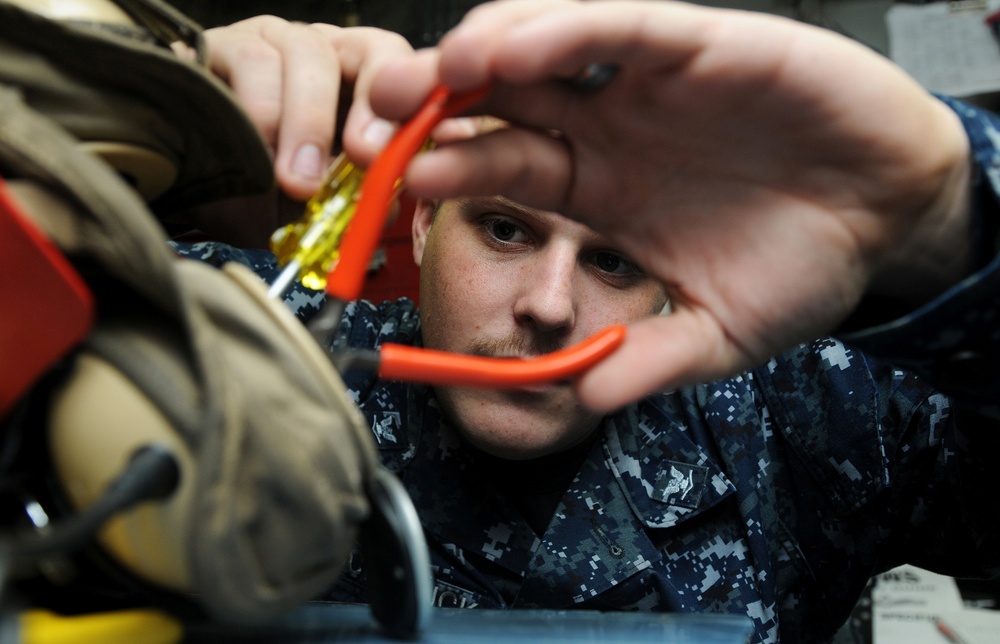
x=540 y=218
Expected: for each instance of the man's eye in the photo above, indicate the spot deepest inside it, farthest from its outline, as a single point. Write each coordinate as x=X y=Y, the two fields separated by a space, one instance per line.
x=616 y=264
x=502 y=229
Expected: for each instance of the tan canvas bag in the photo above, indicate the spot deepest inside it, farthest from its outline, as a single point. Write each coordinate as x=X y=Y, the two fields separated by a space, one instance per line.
x=274 y=457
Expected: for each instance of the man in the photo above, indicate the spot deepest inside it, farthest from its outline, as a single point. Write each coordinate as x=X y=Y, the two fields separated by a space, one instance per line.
x=782 y=184
x=776 y=493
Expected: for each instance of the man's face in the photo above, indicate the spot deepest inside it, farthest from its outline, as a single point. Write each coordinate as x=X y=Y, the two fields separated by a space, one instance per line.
x=501 y=280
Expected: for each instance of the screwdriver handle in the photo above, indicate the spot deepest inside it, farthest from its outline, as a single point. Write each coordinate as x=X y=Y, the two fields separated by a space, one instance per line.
x=310 y=246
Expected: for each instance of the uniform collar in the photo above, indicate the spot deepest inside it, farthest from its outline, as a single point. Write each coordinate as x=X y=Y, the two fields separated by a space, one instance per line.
x=664 y=476
x=646 y=472
x=452 y=501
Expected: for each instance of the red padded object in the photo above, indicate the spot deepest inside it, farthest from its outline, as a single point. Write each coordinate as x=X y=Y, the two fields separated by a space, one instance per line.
x=45 y=306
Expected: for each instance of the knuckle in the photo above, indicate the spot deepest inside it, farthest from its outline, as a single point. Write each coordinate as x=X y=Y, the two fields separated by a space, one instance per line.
x=263 y=22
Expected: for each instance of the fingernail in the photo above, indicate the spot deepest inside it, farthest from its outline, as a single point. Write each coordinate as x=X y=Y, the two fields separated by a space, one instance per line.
x=378 y=132
x=468 y=125
x=308 y=162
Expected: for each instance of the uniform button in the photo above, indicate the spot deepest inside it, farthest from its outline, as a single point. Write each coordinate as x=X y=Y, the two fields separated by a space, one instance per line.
x=970 y=368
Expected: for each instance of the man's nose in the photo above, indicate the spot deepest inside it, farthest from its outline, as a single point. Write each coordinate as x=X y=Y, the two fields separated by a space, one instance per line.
x=546 y=297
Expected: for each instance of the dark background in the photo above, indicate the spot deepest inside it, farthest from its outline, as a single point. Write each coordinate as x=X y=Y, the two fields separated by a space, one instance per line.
x=422 y=22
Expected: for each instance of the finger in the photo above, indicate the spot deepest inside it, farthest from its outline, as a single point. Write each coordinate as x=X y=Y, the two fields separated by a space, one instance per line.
x=525 y=43
x=403 y=84
x=252 y=68
x=528 y=166
x=396 y=92
x=472 y=44
x=530 y=45
x=457 y=129
x=309 y=96
x=659 y=354
x=363 y=52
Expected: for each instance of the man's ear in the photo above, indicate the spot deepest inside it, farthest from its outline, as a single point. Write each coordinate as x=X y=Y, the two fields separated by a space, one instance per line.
x=423 y=216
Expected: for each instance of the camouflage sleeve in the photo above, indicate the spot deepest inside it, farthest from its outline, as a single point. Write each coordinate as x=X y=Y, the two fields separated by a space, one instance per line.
x=923 y=428
x=953 y=341
x=882 y=464
x=303 y=302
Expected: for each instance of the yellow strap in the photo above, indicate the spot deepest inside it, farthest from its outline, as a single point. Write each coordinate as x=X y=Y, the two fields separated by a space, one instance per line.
x=125 y=627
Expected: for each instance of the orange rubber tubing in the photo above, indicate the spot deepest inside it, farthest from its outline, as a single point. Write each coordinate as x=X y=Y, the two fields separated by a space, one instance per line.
x=398 y=362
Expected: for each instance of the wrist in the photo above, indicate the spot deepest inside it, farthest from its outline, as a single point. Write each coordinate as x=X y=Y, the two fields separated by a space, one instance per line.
x=934 y=250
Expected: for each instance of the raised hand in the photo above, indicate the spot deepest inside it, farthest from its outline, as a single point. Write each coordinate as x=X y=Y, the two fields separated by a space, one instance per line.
x=296 y=80
x=768 y=172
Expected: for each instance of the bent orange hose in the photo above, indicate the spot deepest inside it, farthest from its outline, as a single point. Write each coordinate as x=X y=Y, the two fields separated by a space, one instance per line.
x=347 y=277
x=399 y=362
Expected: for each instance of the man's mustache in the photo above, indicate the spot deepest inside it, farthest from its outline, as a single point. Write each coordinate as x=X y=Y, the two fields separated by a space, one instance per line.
x=517 y=345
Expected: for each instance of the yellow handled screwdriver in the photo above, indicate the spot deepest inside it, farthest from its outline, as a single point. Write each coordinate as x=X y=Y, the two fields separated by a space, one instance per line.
x=308 y=249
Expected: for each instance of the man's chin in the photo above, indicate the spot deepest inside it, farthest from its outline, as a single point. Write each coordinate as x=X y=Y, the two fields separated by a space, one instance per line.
x=520 y=436
x=511 y=452
x=519 y=424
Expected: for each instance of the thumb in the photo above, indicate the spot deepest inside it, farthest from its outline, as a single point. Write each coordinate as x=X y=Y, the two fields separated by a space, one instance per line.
x=659 y=354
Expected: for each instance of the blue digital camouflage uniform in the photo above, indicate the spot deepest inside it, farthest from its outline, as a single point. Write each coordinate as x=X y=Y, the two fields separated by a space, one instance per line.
x=776 y=494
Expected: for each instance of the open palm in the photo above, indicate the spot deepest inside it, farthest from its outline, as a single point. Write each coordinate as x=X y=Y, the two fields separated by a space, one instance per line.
x=769 y=173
